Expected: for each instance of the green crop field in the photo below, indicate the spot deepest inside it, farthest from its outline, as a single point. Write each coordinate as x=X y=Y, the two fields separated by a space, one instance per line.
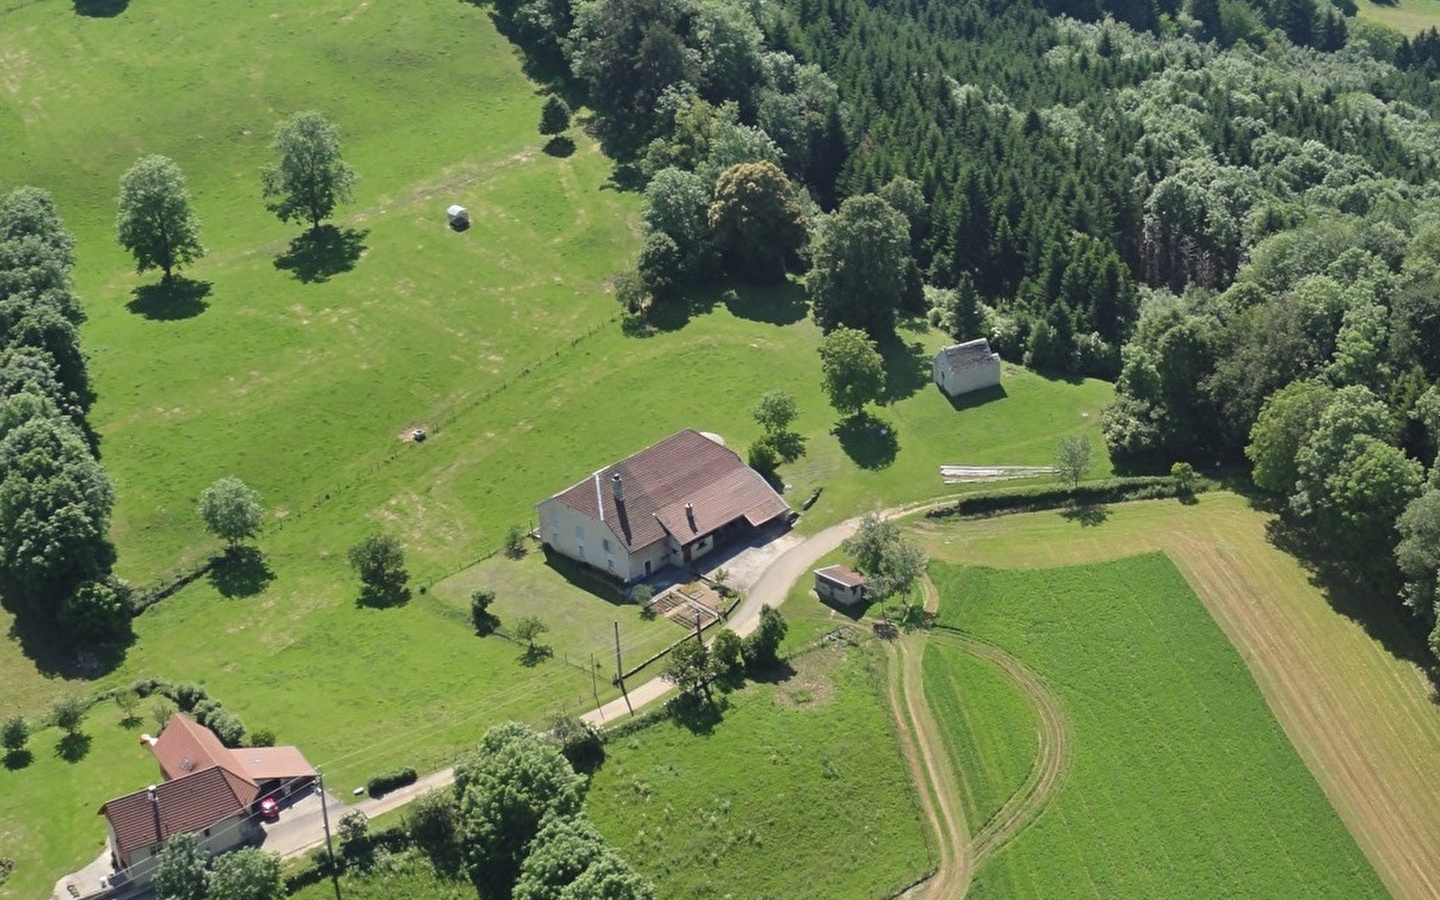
x=990 y=728
x=799 y=791
x=1182 y=782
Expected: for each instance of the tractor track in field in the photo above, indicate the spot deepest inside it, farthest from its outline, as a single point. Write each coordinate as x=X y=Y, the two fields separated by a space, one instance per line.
x=960 y=852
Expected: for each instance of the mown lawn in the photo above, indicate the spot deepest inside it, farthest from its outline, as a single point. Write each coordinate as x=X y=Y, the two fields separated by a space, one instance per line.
x=798 y=792
x=1183 y=784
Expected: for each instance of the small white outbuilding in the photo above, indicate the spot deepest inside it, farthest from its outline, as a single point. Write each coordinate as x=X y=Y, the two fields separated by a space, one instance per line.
x=966 y=367
x=458 y=215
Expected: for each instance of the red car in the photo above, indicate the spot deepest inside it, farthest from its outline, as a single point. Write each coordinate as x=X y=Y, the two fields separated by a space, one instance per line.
x=269 y=809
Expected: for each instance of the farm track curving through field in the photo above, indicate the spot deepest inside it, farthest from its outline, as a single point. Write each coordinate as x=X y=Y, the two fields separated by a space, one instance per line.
x=960 y=852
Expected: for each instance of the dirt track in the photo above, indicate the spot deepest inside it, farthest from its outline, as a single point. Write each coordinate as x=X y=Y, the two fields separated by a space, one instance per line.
x=1362 y=716
x=960 y=853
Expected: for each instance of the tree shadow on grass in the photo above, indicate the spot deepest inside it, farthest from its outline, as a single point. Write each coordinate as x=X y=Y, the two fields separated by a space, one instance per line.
x=1376 y=609
x=241 y=572
x=868 y=440
x=182 y=298
x=100 y=9
x=698 y=715
x=316 y=256
x=535 y=654
x=374 y=597
x=73 y=747
x=560 y=147
x=16 y=760
x=907 y=367
x=1088 y=515
x=774 y=304
x=57 y=655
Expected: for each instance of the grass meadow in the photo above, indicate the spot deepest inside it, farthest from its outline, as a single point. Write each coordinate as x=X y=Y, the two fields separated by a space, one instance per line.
x=300 y=372
x=1183 y=784
x=799 y=791
x=1405 y=16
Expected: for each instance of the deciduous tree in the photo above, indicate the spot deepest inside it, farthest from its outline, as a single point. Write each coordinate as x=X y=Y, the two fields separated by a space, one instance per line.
x=14 y=734
x=775 y=411
x=155 y=222
x=180 y=872
x=757 y=222
x=761 y=647
x=507 y=787
x=310 y=178
x=857 y=278
x=231 y=510
x=563 y=848
x=892 y=564
x=852 y=370
x=1072 y=460
x=1286 y=421
x=609 y=878
x=380 y=563
x=688 y=668
x=247 y=874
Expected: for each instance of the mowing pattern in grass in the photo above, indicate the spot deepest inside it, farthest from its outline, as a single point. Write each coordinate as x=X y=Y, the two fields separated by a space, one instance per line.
x=1183 y=784
x=800 y=792
x=990 y=728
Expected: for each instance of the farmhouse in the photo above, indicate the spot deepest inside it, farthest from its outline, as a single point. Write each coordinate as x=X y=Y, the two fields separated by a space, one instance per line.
x=966 y=367
x=666 y=505
x=207 y=790
x=840 y=584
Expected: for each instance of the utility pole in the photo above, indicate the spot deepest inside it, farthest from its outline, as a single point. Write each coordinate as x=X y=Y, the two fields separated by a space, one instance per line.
x=595 y=683
x=620 y=670
x=329 y=847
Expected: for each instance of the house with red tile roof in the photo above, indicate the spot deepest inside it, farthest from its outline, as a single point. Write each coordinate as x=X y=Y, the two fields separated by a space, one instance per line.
x=668 y=504
x=208 y=790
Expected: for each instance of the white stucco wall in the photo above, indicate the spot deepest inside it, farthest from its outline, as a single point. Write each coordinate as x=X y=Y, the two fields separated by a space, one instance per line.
x=971 y=378
x=594 y=543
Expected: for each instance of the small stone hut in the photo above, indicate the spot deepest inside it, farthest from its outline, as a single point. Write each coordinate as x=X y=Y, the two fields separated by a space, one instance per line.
x=840 y=584
x=966 y=367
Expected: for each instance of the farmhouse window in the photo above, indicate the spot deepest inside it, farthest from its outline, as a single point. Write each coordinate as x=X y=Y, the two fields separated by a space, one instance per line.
x=579 y=532
x=606 y=543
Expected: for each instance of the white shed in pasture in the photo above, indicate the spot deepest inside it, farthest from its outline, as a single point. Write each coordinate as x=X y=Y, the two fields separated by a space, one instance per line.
x=459 y=217
x=966 y=367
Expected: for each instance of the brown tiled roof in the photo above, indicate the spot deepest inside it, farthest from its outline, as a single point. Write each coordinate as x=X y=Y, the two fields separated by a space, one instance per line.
x=969 y=354
x=658 y=482
x=187 y=804
x=186 y=746
x=266 y=763
x=841 y=575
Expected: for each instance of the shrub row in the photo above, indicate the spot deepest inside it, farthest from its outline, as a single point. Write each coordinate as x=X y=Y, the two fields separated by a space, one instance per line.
x=192 y=698
x=384 y=784
x=1111 y=490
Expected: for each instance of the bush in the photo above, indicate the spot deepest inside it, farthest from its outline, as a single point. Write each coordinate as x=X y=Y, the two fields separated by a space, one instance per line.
x=262 y=737
x=144 y=686
x=355 y=847
x=764 y=458
x=205 y=709
x=227 y=727
x=68 y=713
x=384 y=784
x=432 y=820
x=580 y=742
x=727 y=654
x=14 y=733
x=187 y=695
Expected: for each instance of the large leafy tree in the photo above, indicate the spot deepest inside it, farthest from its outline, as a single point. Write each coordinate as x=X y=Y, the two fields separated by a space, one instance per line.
x=757 y=221
x=55 y=503
x=851 y=369
x=1418 y=555
x=310 y=178
x=1286 y=421
x=155 y=222
x=857 y=278
x=231 y=510
x=892 y=563
x=688 y=668
x=180 y=872
x=247 y=874
x=507 y=787
x=380 y=563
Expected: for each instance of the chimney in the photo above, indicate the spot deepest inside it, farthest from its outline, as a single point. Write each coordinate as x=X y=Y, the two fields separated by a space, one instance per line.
x=617 y=487
x=155 y=810
x=690 y=514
